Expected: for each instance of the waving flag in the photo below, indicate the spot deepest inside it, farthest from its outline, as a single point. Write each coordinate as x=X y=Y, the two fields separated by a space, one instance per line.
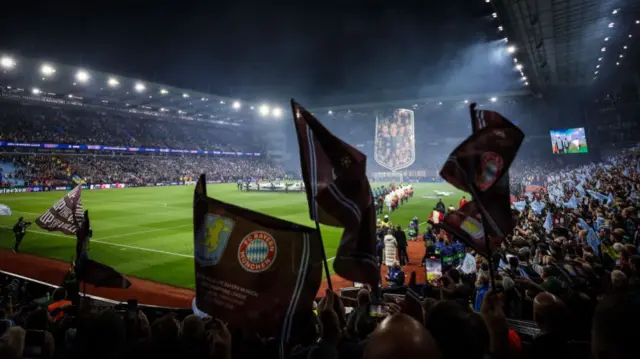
x=339 y=194
x=592 y=238
x=519 y=206
x=65 y=215
x=548 y=222
x=572 y=203
x=254 y=271
x=5 y=210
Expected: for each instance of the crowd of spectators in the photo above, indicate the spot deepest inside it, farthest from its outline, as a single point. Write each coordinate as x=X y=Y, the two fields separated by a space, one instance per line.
x=136 y=169
x=35 y=124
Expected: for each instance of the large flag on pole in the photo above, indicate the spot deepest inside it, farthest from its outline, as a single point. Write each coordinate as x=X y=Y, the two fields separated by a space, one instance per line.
x=480 y=166
x=253 y=271
x=339 y=194
x=65 y=215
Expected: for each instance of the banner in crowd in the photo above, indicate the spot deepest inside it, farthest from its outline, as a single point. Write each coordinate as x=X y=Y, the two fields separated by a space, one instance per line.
x=65 y=215
x=59 y=146
x=70 y=170
x=395 y=146
x=252 y=270
x=339 y=194
x=276 y=187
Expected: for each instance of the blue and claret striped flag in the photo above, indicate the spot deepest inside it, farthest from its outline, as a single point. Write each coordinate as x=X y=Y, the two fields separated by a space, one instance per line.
x=339 y=195
x=480 y=166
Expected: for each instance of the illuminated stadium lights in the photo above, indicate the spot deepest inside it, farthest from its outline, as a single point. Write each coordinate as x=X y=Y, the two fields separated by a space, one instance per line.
x=47 y=70
x=7 y=62
x=523 y=78
x=139 y=86
x=526 y=83
x=70 y=96
x=630 y=36
x=515 y=60
x=440 y=103
x=617 y=64
x=264 y=110
x=277 y=112
x=637 y=22
x=163 y=91
x=466 y=101
x=330 y=112
x=606 y=38
x=82 y=76
x=611 y=24
x=253 y=108
x=185 y=95
x=519 y=67
x=511 y=49
x=599 y=58
x=597 y=66
x=236 y=105
x=495 y=15
x=615 y=11
x=113 y=82
x=500 y=28
x=621 y=56
x=493 y=99
x=624 y=47
x=36 y=91
x=221 y=102
x=595 y=72
x=603 y=49
x=506 y=39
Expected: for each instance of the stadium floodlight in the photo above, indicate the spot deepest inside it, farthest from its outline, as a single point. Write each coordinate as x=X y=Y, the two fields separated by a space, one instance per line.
x=139 y=86
x=597 y=66
x=617 y=64
x=595 y=72
x=526 y=83
x=493 y=99
x=185 y=95
x=615 y=11
x=82 y=76
x=612 y=24
x=630 y=36
x=621 y=56
x=236 y=105
x=511 y=49
x=264 y=110
x=36 y=91
x=277 y=112
x=603 y=49
x=466 y=101
x=519 y=67
x=113 y=82
x=606 y=38
x=624 y=47
x=515 y=60
x=500 y=28
x=221 y=102
x=495 y=15
x=599 y=58
x=523 y=78
x=47 y=70
x=330 y=112
x=7 y=62
x=637 y=22
x=163 y=91
x=440 y=103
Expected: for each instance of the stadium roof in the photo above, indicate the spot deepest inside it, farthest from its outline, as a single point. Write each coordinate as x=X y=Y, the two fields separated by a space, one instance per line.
x=570 y=42
x=89 y=88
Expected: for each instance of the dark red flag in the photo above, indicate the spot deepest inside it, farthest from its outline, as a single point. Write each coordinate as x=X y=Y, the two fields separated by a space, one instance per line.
x=479 y=166
x=253 y=271
x=339 y=194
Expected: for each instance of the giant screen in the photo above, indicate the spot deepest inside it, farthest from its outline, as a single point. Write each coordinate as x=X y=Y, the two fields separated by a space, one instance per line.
x=394 y=146
x=569 y=141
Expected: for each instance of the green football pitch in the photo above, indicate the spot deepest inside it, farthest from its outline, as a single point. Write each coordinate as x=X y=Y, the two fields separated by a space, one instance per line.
x=147 y=232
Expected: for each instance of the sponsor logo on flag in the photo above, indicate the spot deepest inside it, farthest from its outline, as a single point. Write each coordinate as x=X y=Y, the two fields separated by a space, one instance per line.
x=257 y=251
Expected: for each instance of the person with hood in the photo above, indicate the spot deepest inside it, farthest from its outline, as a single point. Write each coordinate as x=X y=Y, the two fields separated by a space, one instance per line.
x=390 y=248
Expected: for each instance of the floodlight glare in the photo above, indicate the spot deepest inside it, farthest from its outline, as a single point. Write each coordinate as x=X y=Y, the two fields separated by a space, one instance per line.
x=606 y=38
x=264 y=110
x=597 y=66
x=500 y=28
x=82 y=76
x=526 y=84
x=440 y=103
x=624 y=47
x=236 y=105
x=519 y=67
x=611 y=24
x=617 y=64
x=7 y=62
x=35 y=91
x=163 y=91
x=603 y=49
x=140 y=87
x=466 y=101
x=185 y=95
x=599 y=58
x=47 y=70
x=495 y=15
x=511 y=49
x=615 y=11
x=524 y=78
x=113 y=82
x=493 y=99
x=330 y=112
x=277 y=112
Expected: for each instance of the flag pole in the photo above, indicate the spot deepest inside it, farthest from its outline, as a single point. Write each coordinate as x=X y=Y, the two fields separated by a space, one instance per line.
x=474 y=128
x=324 y=257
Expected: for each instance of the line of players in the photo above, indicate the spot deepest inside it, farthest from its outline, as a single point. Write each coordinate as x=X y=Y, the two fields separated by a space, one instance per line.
x=391 y=197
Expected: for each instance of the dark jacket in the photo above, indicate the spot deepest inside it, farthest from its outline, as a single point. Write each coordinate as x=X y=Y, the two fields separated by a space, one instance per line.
x=401 y=238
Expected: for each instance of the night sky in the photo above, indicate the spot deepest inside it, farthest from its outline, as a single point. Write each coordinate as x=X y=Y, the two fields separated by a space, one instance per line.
x=328 y=49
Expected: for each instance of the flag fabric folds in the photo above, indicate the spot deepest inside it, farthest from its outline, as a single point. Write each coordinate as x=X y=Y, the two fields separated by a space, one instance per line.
x=5 y=210
x=339 y=194
x=253 y=271
x=65 y=215
x=92 y=272
x=480 y=166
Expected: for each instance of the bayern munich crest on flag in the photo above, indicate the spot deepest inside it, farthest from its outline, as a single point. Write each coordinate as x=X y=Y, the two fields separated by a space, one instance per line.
x=257 y=251
x=490 y=171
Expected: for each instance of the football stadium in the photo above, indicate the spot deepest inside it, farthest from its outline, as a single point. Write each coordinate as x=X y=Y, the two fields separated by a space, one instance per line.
x=225 y=180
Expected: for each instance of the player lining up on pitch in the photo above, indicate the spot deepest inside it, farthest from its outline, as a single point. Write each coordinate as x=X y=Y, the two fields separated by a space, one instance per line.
x=19 y=231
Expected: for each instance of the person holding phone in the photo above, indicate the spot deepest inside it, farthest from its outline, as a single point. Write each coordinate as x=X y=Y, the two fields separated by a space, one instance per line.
x=396 y=277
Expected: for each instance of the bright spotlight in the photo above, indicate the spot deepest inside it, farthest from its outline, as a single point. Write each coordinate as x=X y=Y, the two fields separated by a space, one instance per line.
x=113 y=82
x=597 y=66
x=615 y=11
x=519 y=67
x=526 y=83
x=611 y=24
x=637 y=22
x=599 y=58
x=236 y=105
x=185 y=95
x=603 y=49
x=140 y=87
x=330 y=112
x=36 y=91
x=595 y=72
x=621 y=56
x=466 y=101
x=440 y=103
x=606 y=38
x=524 y=78
x=493 y=99
x=630 y=36
x=82 y=76
x=163 y=91
x=47 y=70
x=7 y=62
x=264 y=110
x=515 y=60
x=495 y=15
x=500 y=28
x=617 y=64
x=277 y=112
x=624 y=47
x=511 y=49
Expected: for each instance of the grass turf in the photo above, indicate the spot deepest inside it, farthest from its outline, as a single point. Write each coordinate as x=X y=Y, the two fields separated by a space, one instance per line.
x=147 y=232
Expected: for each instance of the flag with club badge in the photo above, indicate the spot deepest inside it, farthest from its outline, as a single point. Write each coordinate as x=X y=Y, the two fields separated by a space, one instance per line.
x=252 y=270
x=65 y=215
x=339 y=194
x=480 y=166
